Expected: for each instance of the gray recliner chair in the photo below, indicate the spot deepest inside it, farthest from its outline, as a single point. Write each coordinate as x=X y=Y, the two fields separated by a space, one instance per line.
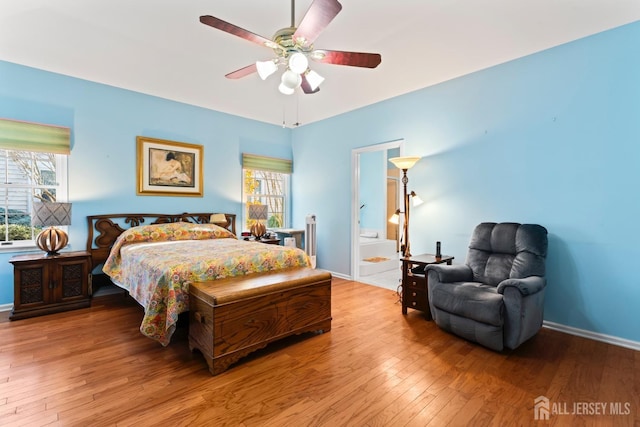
x=496 y=298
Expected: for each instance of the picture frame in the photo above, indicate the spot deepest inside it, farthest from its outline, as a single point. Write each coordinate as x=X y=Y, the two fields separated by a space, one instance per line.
x=168 y=168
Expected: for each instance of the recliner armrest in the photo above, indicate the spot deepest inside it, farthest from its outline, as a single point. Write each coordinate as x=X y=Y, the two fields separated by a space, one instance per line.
x=527 y=286
x=451 y=273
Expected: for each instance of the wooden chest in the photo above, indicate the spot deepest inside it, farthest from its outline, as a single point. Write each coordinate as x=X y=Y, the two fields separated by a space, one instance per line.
x=230 y=318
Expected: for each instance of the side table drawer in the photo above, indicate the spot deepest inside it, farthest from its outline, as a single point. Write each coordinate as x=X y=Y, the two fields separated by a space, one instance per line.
x=416 y=281
x=416 y=299
x=414 y=294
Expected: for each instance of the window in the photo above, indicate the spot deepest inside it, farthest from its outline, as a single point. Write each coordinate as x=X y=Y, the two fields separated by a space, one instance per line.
x=33 y=168
x=27 y=177
x=266 y=182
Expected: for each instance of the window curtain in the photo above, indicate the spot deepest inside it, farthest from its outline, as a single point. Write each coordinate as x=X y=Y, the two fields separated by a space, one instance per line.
x=25 y=136
x=272 y=164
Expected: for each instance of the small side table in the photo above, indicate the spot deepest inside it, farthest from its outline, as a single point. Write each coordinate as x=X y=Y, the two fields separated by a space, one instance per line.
x=414 y=286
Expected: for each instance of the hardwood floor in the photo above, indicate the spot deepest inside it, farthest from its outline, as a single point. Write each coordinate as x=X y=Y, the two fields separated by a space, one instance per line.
x=375 y=367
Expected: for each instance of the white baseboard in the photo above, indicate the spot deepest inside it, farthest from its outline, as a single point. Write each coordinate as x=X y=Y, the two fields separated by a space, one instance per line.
x=341 y=276
x=6 y=307
x=609 y=339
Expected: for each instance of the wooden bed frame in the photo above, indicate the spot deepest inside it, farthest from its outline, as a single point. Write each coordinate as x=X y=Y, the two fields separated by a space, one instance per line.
x=232 y=317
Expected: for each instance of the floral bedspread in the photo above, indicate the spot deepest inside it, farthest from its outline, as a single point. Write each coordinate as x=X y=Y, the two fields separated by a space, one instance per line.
x=156 y=263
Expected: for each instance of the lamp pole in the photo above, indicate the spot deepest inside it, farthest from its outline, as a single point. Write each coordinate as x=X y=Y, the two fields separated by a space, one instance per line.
x=407 y=251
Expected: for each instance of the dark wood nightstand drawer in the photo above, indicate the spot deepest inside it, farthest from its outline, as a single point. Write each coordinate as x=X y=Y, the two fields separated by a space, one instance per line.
x=416 y=281
x=415 y=298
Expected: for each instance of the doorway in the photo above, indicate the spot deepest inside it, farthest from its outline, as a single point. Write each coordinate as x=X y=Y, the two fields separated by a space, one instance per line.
x=375 y=242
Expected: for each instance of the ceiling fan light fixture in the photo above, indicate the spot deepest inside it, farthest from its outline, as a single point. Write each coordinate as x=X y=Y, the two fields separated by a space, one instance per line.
x=298 y=63
x=291 y=79
x=285 y=90
x=314 y=79
x=294 y=48
x=266 y=68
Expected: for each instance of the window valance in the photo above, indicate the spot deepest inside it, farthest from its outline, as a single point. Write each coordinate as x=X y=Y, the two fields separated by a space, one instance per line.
x=272 y=164
x=26 y=136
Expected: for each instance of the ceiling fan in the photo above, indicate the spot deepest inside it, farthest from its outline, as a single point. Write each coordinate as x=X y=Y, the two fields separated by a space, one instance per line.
x=293 y=47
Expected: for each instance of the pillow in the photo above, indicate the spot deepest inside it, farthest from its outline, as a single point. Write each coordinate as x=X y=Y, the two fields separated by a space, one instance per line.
x=173 y=231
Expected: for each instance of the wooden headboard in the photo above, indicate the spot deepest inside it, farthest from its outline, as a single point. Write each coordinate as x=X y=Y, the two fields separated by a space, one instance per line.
x=105 y=229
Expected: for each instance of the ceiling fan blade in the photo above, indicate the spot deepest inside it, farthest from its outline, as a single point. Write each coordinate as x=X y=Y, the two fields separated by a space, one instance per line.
x=306 y=86
x=242 y=72
x=354 y=59
x=235 y=30
x=316 y=19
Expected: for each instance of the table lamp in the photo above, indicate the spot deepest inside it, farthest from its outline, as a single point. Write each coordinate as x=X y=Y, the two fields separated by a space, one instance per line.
x=51 y=215
x=258 y=213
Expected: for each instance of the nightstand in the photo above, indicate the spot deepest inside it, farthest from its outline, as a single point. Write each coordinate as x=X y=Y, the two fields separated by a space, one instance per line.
x=49 y=284
x=414 y=286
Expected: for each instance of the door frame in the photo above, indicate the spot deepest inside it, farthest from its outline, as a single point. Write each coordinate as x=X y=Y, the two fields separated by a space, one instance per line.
x=355 y=196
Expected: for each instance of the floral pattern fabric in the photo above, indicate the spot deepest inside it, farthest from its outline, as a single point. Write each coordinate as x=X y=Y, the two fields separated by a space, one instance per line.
x=156 y=263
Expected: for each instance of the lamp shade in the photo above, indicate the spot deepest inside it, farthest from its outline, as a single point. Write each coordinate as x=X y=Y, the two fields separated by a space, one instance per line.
x=218 y=218
x=395 y=218
x=266 y=68
x=417 y=201
x=298 y=63
x=285 y=90
x=49 y=214
x=258 y=212
x=314 y=79
x=404 y=162
x=290 y=79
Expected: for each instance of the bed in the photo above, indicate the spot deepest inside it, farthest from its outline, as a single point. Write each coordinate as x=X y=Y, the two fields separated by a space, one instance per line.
x=155 y=257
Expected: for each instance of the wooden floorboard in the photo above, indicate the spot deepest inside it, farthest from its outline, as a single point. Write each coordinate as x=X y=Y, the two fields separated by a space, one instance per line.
x=376 y=367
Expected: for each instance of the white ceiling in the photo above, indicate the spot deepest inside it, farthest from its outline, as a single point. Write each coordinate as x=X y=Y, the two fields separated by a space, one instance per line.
x=159 y=47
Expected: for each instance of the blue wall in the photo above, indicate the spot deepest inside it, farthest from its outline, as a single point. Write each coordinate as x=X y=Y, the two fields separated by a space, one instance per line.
x=102 y=167
x=552 y=138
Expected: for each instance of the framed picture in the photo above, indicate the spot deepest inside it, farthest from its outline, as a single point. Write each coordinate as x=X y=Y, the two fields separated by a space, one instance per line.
x=168 y=168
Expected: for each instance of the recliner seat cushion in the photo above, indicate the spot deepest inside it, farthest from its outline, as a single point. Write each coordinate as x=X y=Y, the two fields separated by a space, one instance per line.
x=472 y=300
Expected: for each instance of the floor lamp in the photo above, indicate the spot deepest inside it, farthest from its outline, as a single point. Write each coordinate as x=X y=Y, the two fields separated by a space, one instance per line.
x=405 y=163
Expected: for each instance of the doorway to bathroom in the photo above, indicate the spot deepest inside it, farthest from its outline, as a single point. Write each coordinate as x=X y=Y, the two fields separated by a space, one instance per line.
x=376 y=196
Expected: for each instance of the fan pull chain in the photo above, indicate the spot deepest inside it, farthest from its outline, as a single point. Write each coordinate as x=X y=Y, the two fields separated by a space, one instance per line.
x=297 y=123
